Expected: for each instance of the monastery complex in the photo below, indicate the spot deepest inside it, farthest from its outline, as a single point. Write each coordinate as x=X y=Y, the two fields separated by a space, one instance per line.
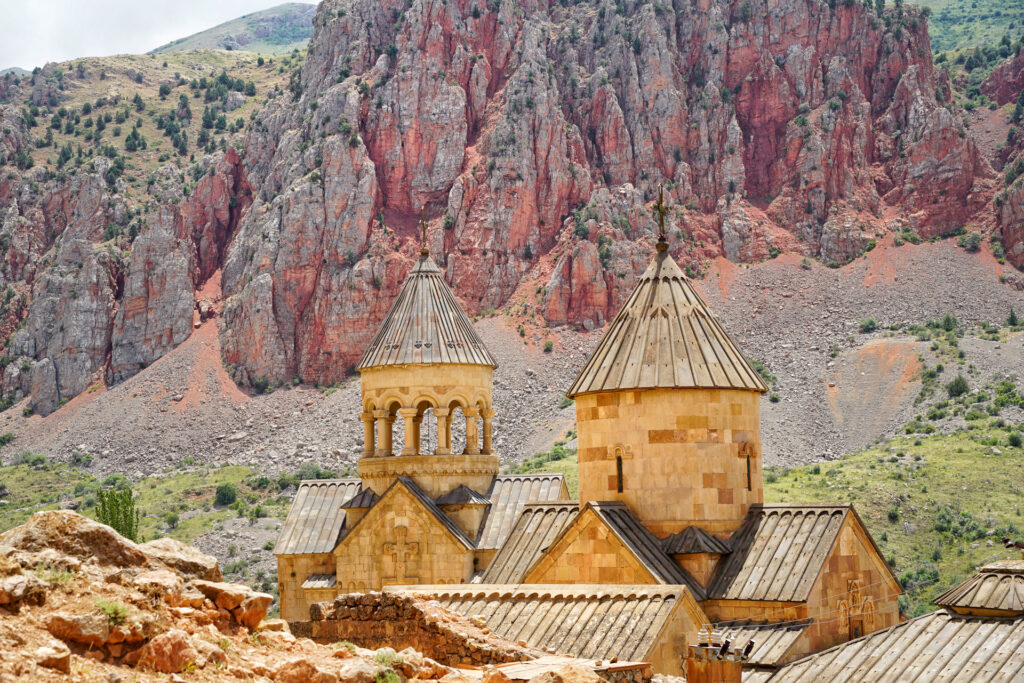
x=670 y=535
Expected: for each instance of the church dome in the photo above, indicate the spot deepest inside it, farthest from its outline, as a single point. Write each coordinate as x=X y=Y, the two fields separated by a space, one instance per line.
x=666 y=337
x=426 y=325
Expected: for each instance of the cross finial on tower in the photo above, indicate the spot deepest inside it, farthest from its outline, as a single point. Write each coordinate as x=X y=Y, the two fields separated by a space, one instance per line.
x=660 y=210
x=423 y=231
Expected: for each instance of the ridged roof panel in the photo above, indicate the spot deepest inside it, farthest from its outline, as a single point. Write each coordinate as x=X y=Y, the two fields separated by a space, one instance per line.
x=666 y=337
x=772 y=642
x=941 y=646
x=594 y=622
x=425 y=325
x=316 y=517
x=692 y=540
x=997 y=586
x=508 y=494
x=534 y=530
x=778 y=552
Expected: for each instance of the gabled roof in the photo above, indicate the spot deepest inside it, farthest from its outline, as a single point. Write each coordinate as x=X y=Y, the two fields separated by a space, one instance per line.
x=425 y=325
x=941 y=646
x=463 y=495
x=693 y=540
x=665 y=336
x=597 y=622
x=772 y=642
x=508 y=494
x=316 y=517
x=428 y=503
x=644 y=545
x=537 y=526
x=779 y=552
x=998 y=586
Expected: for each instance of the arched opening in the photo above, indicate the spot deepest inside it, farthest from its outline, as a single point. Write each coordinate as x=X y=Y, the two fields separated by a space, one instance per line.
x=618 y=472
x=396 y=429
x=427 y=439
x=456 y=428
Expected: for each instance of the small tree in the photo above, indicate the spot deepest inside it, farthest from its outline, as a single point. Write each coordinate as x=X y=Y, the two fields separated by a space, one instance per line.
x=1012 y=320
x=226 y=494
x=958 y=387
x=868 y=325
x=116 y=509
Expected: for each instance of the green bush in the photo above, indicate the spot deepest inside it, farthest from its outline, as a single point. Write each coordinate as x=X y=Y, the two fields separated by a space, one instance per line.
x=115 y=612
x=226 y=494
x=6 y=438
x=958 y=387
x=548 y=348
x=969 y=242
x=116 y=509
x=868 y=325
x=1015 y=440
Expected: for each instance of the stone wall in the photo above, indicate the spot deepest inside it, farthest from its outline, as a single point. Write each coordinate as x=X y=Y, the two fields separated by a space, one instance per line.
x=292 y=571
x=374 y=620
x=686 y=456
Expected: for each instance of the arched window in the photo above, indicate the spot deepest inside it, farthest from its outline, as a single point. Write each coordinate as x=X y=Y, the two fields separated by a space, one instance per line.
x=618 y=472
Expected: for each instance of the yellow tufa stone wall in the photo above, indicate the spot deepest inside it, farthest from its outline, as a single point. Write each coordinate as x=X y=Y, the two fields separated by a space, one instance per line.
x=684 y=455
x=854 y=595
x=435 y=474
x=399 y=542
x=701 y=566
x=678 y=633
x=292 y=571
x=589 y=552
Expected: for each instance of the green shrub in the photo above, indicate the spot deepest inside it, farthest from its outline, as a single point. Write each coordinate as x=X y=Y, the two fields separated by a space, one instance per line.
x=226 y=494
x=868 y=325
x=1015 y=440
x=958 y=387
x=969 y=242
x=6 y=438
x=116 y=509
x=549 y=346
x=116 y=612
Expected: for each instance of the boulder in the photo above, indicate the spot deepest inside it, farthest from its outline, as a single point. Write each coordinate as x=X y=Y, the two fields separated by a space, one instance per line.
x=358 y=670
x=304 y=671
x=225 y=595
x=183 y=558
x=160 y=583
x=21 y=588
x=85 y=629
x=72 y=534
x=252 y=610
x=570 y=673
x=169 y=652
x=55 y=655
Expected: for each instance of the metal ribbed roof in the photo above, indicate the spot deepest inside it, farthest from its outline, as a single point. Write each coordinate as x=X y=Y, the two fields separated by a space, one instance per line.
x=364 y=499
x=665 y=336
x=778 y=552
x=772 y=642
x=426 y=325
x=941 y=646
x=997 y=586
x=321 y=581
x=537 y=526
x=596 y=622
x=508 y=494
x=692 y=540
x=316 y=517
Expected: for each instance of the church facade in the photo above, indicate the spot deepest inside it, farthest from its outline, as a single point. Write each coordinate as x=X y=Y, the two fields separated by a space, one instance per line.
x=670 y=485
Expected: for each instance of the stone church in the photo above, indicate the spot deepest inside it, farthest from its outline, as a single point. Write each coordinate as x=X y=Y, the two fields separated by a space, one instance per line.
x=670 y=495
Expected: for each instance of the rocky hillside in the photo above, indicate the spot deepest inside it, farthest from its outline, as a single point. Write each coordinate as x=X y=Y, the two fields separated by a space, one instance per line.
x=534 y=137
x=274 y=31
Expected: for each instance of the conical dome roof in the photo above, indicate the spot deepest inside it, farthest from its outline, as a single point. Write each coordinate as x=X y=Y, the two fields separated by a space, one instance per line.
x=665 y=336
x=425 y=325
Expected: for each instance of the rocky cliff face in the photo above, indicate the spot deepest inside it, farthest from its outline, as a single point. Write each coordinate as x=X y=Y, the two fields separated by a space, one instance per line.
x=1004 y=85
x=534 y=136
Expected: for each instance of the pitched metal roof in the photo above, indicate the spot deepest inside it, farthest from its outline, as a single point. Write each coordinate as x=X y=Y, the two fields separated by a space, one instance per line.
x=778 y=552
x=665 y=336
x=941 y=646
x=537 y=526
x=644 y=545
x=429 y=503
x=321 y=581
x=508 y=494
x=316 y=517
x=692 y=540
x=997 y=586
x=463 y=495
x=425 y=325
x=597 y=622
x=772 y=642
x=366 y=498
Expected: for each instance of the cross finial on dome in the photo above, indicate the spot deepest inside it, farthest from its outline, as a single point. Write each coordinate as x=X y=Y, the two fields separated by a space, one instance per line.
x=660 y=210
x=423 y=231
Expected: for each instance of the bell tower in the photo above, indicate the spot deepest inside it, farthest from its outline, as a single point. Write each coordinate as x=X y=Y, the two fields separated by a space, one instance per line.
x=668 y=410
x=427 y=362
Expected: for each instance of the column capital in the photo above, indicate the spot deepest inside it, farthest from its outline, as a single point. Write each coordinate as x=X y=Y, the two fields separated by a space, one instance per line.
x=367 y=417
x=408 y=413
x=487 y=413
x=381 y=414
x=442 y=412
x=471 y=412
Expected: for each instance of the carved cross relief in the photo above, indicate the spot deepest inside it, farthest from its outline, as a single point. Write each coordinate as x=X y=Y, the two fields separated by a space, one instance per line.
x=400 y=551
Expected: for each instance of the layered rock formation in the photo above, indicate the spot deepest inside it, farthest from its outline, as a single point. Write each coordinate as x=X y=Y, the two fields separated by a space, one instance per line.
x=1004 y=85
x=534 y=136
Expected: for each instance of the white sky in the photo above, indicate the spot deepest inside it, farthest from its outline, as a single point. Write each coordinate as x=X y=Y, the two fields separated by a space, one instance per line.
x=34 y=32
